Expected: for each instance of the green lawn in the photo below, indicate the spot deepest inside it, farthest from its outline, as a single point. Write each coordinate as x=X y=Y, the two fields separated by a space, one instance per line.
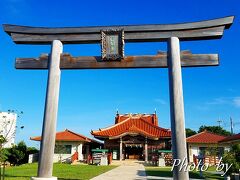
x=166 y=172
x=62 y=171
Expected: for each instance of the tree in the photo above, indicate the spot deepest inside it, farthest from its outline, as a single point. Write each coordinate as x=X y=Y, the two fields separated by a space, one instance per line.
x=2 y=150
x=7 y=131
x=2 y=140
x=215 y=129
x=190 y=132
x=17 y=153
x=233 y=157
x=8 y=124
x=22 y=148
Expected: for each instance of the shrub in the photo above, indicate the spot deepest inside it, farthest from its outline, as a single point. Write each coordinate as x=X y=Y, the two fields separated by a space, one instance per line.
x=18 y=154
x=233 y=157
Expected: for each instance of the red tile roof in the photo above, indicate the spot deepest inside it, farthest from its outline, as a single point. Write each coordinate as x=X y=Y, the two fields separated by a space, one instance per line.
x=205 y=137
x=235 y=137
x=133 y=124
x=151 y=118
x=66 y=135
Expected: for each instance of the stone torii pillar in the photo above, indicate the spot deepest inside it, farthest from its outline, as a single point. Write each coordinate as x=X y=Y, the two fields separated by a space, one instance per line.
x=177 y=107
x=45 y=164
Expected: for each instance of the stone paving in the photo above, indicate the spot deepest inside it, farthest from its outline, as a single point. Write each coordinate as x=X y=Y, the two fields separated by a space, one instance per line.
x=124 y=173
x=128 y=170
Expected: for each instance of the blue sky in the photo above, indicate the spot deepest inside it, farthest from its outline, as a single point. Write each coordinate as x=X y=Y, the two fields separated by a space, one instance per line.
x=89 y=98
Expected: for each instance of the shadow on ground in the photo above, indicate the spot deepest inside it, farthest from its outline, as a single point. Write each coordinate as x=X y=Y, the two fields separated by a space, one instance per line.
x=28 y=177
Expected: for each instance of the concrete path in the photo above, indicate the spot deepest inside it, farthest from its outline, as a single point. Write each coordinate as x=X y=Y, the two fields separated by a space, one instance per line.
x=128 y=170
x=124 y=172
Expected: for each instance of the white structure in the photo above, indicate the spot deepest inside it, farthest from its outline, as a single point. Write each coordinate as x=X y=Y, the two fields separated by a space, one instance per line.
x=71 y=146
x=206 y=144
x=8 y=122
x=64 y=151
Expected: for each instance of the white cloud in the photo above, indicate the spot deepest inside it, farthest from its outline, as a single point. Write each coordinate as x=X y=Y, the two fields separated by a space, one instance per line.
x=236 y=101
x=231 y=90
x=160 y=101
x=219 y=101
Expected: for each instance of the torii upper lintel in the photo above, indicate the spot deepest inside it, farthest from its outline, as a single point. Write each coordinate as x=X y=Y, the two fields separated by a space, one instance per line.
x=202 y=30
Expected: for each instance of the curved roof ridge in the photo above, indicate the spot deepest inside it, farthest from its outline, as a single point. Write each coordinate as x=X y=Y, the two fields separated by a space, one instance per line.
x=82 y=136
x=109 y=127
x=205 y=137
x=138 y=130
x=34 y=138
x=154 y=126
x=214 y=133
x=205 y=131
x=232 y=137
x=37 y=137
x=139 y=124
x=133 y=127
x=195 y=135
x=65 y=136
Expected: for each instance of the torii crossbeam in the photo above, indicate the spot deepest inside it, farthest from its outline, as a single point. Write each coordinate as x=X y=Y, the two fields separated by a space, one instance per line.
x=95 y=62
x=173 y=60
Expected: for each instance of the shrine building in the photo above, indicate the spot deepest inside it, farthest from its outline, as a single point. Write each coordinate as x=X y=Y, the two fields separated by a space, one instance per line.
x=134 y=136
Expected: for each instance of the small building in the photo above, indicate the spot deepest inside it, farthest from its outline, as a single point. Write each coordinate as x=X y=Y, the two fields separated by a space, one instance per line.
x=71 y=146
x=207 y=144
x=8 y=127
x=134 y=136
x=234 y=139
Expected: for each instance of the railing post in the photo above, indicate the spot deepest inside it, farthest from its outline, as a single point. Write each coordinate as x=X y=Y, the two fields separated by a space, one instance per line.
x=45 y=165
x=146 y=149
x=120 y=149
x=177 y=108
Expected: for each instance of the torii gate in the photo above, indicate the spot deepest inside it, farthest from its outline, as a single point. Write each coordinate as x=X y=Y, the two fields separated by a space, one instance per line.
x=112 y=39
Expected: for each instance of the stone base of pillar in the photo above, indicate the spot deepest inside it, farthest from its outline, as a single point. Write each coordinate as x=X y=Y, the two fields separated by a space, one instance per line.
x=40 y=178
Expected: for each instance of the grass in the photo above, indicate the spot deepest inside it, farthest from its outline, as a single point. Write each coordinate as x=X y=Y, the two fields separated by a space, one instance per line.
x=62 y=171
x=77 y=172
x=166 y=172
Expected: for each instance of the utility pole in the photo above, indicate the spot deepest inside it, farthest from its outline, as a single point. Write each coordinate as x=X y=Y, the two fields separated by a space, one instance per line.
x=219 y=122
x=231 y=122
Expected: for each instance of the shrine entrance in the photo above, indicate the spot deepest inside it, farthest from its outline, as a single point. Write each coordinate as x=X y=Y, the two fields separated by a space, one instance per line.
x=112 y=40
x=133 y=147
x=134 y=151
